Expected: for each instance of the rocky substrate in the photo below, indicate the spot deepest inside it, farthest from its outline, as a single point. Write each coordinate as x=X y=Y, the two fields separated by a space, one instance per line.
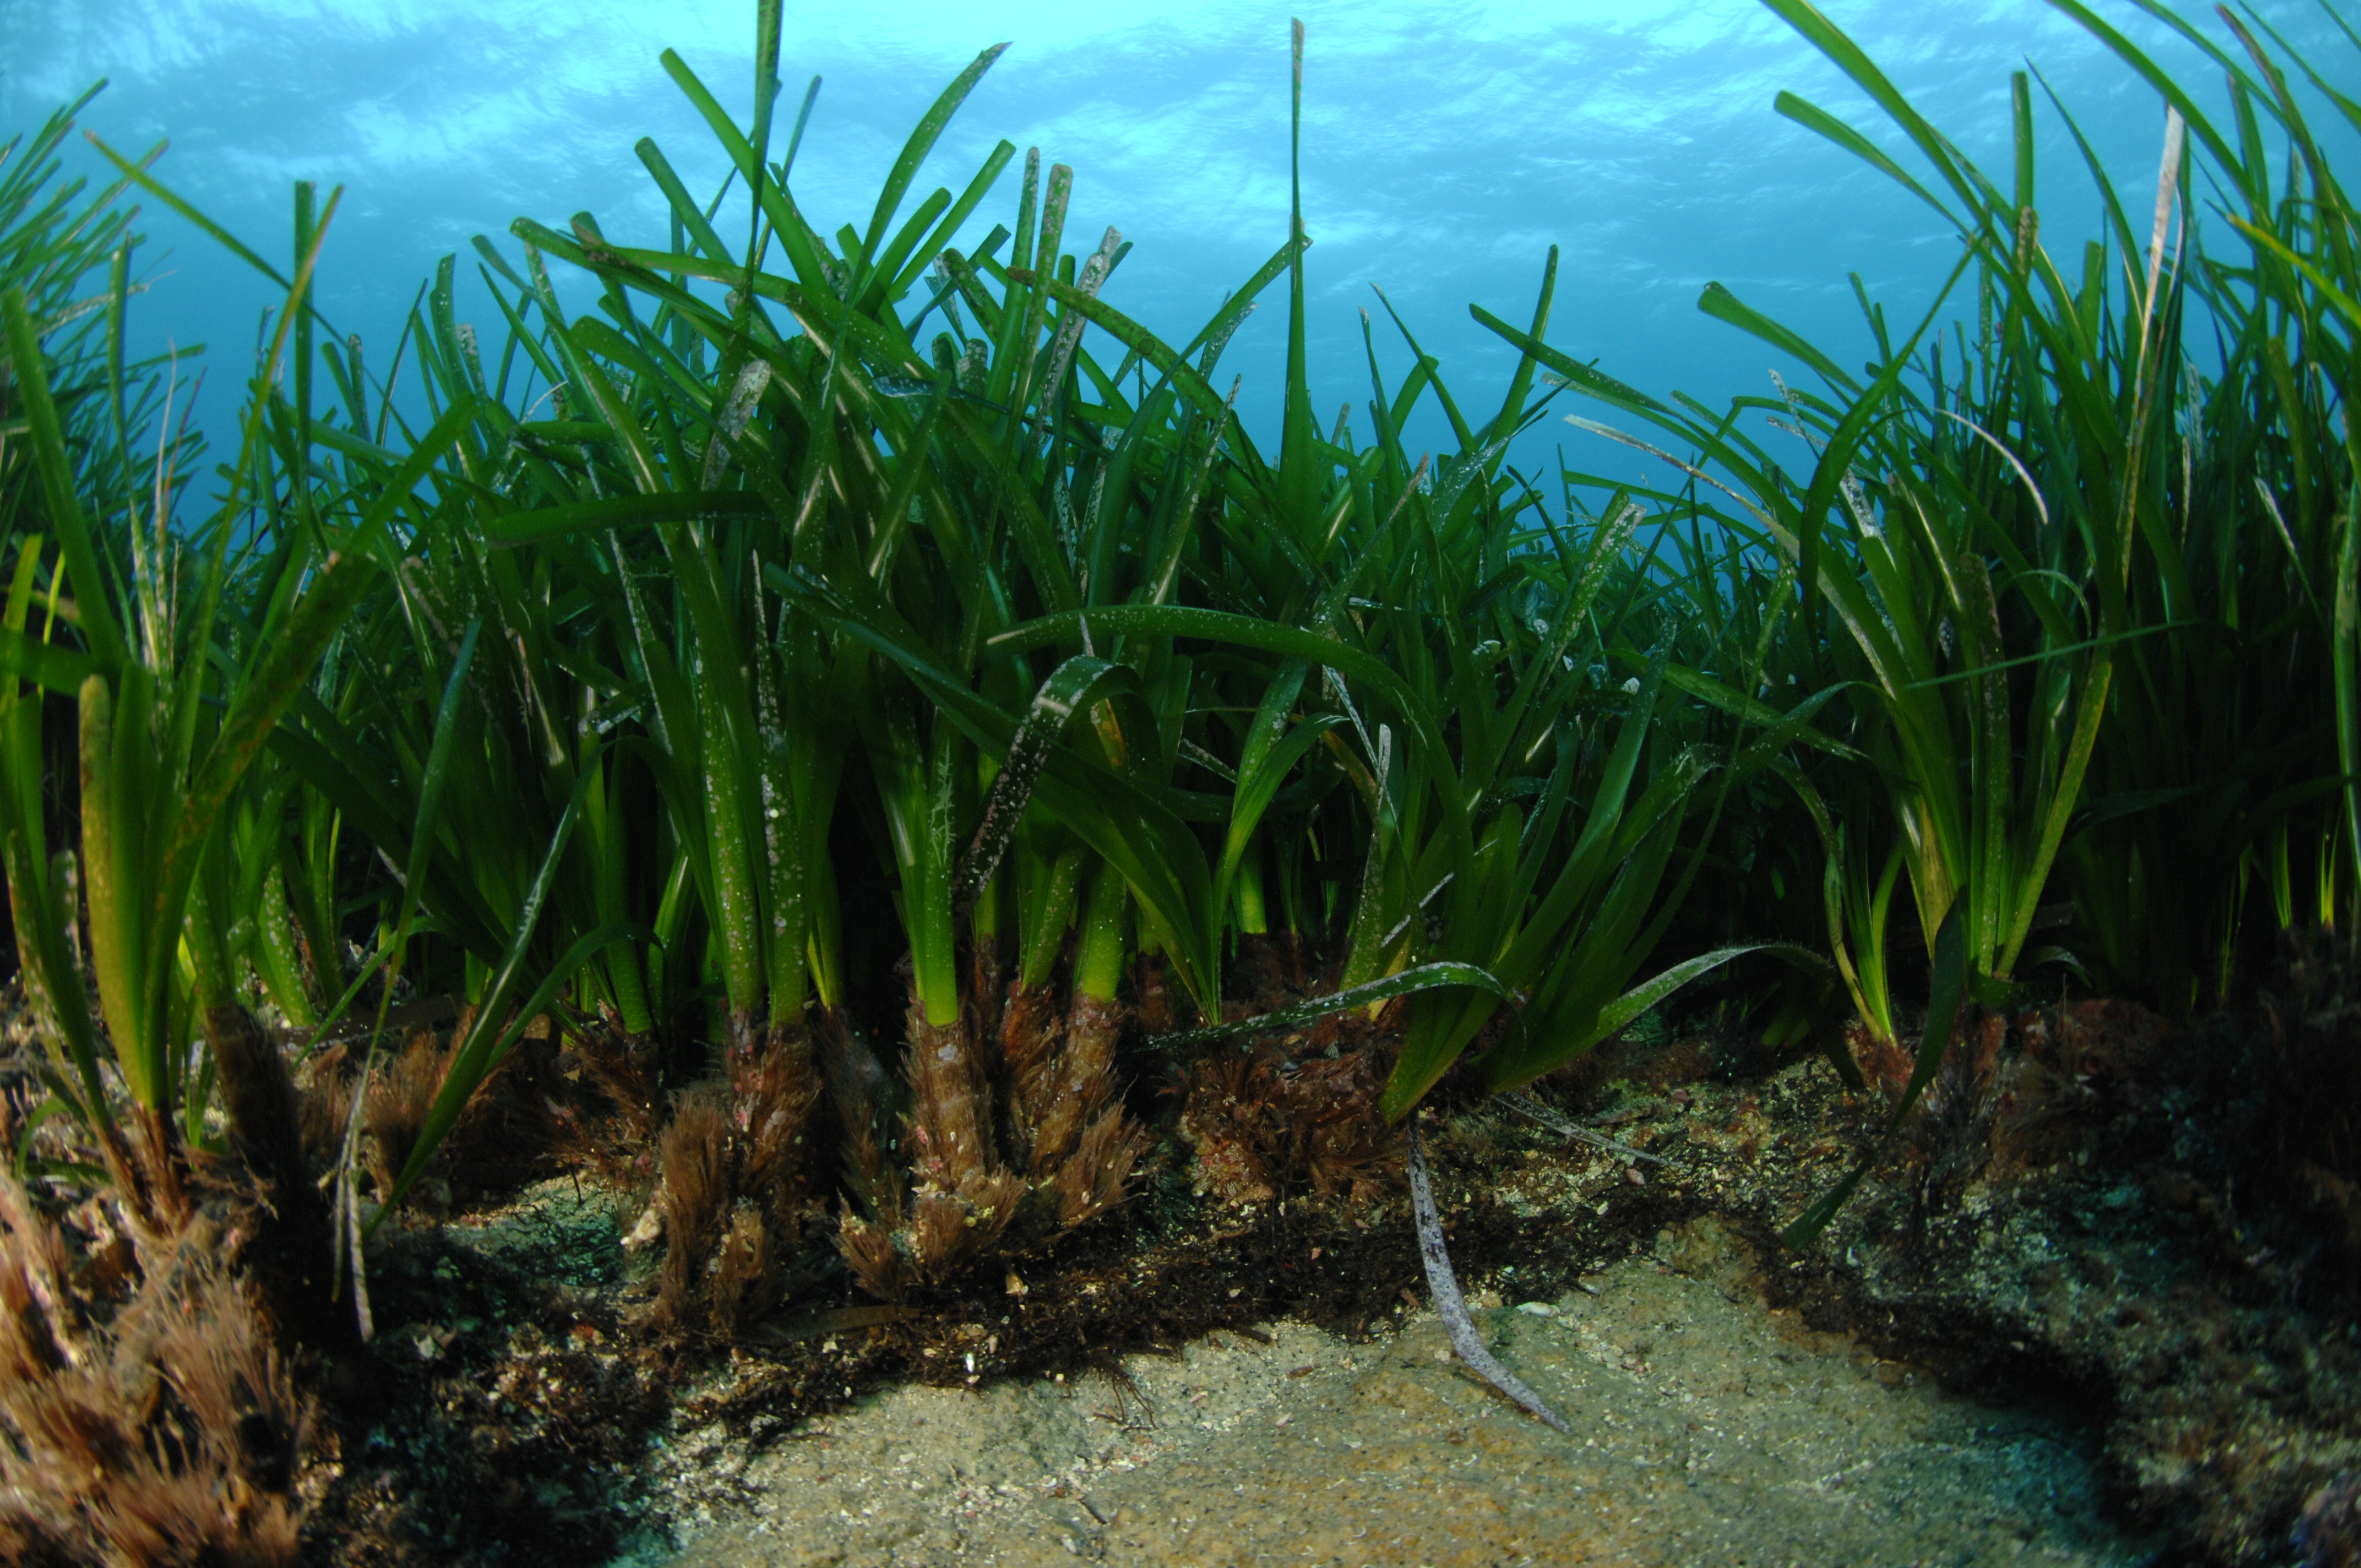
x=2075 y=1214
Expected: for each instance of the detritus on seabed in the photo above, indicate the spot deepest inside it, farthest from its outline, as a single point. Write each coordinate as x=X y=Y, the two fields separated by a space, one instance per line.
x=2118 y=1203
x=2044 y=1228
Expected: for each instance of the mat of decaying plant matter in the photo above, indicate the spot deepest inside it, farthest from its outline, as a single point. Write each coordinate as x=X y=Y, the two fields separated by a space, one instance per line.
x=1709 y=1428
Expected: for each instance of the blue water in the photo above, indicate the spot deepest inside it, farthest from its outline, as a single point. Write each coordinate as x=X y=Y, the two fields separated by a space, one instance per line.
x=1445 y=148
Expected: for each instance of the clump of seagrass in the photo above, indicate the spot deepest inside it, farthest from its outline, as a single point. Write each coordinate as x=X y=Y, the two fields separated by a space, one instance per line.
x=1063 y=1156
x=960 y=1198
x=161 y=1430
x=735 y=1161
x=1267 y=1123
x=391 y=1105
x=1071 y=1130
x=394 y=1106
x=551 y=1105
x=322 y=1099
x=613 y=1124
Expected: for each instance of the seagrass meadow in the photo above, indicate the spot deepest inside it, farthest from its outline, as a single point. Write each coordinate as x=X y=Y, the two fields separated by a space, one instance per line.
x=848 y=752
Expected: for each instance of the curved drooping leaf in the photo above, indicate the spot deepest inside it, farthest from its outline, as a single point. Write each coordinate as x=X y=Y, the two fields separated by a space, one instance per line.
x=1403 y=982
x=1443 y=1285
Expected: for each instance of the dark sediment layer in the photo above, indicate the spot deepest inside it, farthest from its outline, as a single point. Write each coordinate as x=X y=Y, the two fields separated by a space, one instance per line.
x=2091 y=1206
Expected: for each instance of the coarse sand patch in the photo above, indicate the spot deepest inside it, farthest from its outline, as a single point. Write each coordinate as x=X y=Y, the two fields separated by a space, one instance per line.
x=1710 y=1429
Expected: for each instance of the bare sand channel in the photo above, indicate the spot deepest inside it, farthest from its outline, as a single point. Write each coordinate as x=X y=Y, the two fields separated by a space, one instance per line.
x=1710 y=1429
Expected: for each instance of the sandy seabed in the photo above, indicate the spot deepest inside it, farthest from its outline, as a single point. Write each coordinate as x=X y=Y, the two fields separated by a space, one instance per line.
x=2062 y=1324
x=1709 y=1428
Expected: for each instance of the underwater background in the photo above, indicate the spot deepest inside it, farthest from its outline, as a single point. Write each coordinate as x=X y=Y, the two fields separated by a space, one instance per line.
x=1446 y=147
x=683 y=872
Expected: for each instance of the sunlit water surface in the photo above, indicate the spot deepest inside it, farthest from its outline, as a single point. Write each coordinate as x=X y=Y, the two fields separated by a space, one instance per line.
x=1445 y=149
